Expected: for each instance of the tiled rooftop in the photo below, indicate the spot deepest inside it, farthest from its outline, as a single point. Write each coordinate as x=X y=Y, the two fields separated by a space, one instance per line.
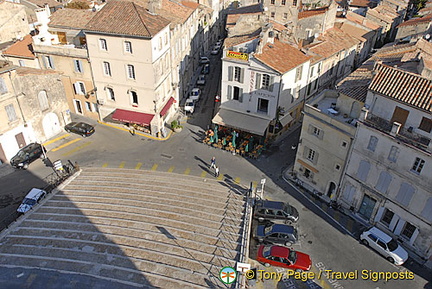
x=356 y=84
x=235 y=40
x=416 y=21
x=359 y=3
x=333 y=41
x=281 y=56
x=277 y=26
x=310 y=13
x=355 y=31
x=403 y=86
x=21 y=48
x=71 y=18
x=42 y=3
x=354 y=17
x=126 y=18
x=384 y=13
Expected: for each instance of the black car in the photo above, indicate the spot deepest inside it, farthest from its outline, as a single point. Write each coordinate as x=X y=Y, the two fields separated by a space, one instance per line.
x=266 y=210
x=81 y=128
x=276 y=234
x=27 y=155
x=206 y=69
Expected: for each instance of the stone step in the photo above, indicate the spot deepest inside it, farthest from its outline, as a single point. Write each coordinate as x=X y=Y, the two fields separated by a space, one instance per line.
x=147 y=276
x=202 y=252
x=215 y=238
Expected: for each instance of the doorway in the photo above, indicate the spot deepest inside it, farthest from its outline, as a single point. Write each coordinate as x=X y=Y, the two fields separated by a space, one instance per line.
x=367 y=206
x=331 y=190
x=20 y=140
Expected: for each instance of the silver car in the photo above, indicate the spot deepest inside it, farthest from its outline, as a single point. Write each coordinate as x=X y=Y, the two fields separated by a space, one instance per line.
x=32 y=198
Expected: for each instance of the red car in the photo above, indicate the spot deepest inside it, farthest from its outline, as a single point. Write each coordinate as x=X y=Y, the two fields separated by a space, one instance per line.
x=283 y=257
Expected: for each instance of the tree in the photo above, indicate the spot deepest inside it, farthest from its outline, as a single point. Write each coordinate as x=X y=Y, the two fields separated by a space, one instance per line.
x=78 y=5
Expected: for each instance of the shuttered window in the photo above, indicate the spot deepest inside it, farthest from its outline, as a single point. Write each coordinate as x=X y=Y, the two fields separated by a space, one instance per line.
x=363 y=170
x=78 y=65
x=405 y=194
x=426 y=125
x=10 y=111
x=43 y=100
x=383 y=182
x=427 y=210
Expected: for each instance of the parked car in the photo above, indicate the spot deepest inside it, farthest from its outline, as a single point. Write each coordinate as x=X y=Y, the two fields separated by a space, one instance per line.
x=266 y=210
x=206 y=69
x=201 y=80
x=385 y=245
x=215 y=50
x=189 y=106
x=204 y=60
x=276 y=234
x=195 y=94
x=81 y=128
x=272 y=255
x=27 y=155
x=31 y=199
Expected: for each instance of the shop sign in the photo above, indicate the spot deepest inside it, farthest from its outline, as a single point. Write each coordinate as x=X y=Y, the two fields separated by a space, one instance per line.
x=238 y=55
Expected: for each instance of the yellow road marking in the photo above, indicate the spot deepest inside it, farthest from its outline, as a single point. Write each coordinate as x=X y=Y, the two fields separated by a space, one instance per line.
x=105 y=165
x=220 y=177
x=187 y=171
x=138 y=166
x=76 y=149
x=237 y=180
x=170 y=170
x=138 y=133
x=154 y=167
x=122 y=164
x=66 y=144
x=254 y=184
x=203 y=174
x=56 y=139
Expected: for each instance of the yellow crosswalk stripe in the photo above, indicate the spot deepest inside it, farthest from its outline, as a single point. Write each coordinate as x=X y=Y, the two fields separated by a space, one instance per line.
x=170 y=170
x=105 y=165
x=54 y=140
x=138 y=166
x=220 y=177
x=122 y=164
x=154 y=167
x=203 y=174
x=237 y=180
x=187 y=171
x=66 y=144
x=76 y=149
x=254 y=184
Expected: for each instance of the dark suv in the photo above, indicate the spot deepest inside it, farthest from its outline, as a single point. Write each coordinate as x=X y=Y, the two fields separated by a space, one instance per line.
x=276 y=234
x=265 y=210
x=27 y=155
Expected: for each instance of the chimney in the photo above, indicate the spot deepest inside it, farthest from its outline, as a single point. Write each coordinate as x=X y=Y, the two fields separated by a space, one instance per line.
x=271 y=36
x=395 y=128
x=154 y=6
x=363 y=114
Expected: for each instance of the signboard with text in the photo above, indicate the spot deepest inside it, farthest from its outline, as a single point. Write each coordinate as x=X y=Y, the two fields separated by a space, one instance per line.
x=238 y=55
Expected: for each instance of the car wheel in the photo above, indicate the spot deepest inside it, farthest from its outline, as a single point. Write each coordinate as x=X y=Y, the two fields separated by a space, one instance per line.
x=25 y=166
x=364 y=242
x=267 y=264
x=83 y=135
x=67 y=130
x=261 y=219
x=288 y=244
x=260 y=240
x=391 y=260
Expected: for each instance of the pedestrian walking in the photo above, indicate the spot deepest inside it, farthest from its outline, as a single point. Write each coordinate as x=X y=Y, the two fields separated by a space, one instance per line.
x=213 y=162
x=216 y=171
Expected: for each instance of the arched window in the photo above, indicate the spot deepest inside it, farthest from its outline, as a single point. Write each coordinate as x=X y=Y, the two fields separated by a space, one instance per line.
x=43 y=100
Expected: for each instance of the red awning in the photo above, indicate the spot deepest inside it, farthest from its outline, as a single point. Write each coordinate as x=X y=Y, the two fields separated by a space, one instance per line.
x=132 y=116
x=167 y=106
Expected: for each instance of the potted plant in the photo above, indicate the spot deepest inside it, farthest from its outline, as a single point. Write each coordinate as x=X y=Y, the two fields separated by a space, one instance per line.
x=175 y=126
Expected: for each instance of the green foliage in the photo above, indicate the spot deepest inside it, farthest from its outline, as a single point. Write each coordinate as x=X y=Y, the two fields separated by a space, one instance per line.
x=175 y=124
x=78 y=5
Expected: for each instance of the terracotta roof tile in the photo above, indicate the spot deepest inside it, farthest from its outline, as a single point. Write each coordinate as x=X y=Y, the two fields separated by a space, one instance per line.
x=235 y=40
x=190 y=4
x=310 y=13
x=417 y=20
x=41 y=3
x=126 y=18
x=333 y=41
x=403 y=86
x=384 y=13
x=425 y=11
x=30 y=70
x=175 y=12
x=277 y=26
x=21 y=48
x=360 y=3
x=356 y=84
x=354 y=17
x=72 y=18
x=355 y=31
x=281 y=57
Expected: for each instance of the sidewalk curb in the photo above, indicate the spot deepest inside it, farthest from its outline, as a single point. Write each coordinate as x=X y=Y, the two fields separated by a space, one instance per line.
x=333 y=219
x=137 y=133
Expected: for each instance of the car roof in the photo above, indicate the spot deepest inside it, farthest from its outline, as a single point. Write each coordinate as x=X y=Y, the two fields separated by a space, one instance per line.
x=278 y=251
x=271 y=204
x=33 y=193
x=281 y=228
x=380 y=234
x=30 y=146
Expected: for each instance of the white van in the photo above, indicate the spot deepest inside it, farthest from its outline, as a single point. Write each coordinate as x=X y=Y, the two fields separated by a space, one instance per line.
x=32 y=198
x=385 y=245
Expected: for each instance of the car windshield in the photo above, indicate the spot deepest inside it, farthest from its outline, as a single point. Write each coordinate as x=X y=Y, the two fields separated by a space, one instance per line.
x=268 y=229
x=292 y=256
x=22 y=154
x=392 y=245
x=266 y=251
x=30 y=202
x=287 y=209
x=189 y=103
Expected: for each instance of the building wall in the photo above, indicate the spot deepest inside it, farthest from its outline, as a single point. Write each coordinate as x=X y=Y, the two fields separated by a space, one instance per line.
x=281 y=11
x=415 y=31
x=355 y=187
x=14 y=23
